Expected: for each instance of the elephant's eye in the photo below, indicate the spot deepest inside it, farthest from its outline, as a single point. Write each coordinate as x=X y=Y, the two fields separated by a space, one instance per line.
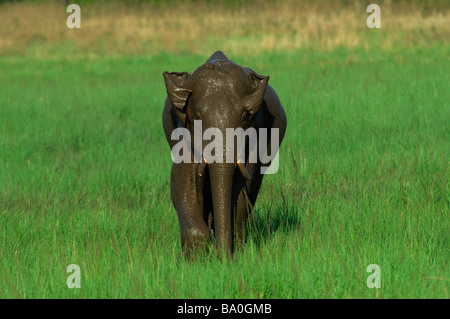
x=244 y=116
x=247 y=116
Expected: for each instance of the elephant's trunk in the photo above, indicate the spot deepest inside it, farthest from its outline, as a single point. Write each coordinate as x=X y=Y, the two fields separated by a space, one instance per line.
x=221 y=176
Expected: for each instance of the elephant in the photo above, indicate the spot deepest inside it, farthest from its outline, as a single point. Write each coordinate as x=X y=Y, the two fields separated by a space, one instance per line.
x=214 y=199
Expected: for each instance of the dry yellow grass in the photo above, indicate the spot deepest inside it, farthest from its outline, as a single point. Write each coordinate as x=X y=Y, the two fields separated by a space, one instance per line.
x=117 y=28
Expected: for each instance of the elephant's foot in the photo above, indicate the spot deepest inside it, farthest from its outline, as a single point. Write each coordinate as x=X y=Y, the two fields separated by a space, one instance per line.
x=195 y=240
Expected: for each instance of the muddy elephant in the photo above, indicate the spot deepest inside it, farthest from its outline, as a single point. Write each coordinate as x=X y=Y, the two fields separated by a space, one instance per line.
x=214 y=198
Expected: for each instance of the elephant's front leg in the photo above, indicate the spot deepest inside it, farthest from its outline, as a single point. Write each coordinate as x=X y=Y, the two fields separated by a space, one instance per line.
x=245 y=202
x=187 y=197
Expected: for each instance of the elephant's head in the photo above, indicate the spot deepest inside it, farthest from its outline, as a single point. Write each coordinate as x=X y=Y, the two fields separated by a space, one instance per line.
x=222 y=95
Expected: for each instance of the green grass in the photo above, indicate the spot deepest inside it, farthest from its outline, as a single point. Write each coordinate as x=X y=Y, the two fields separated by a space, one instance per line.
x=363 y=179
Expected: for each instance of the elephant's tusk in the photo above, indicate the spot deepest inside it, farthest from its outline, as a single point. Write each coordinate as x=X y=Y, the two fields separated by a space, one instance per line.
x=243 y=170
x=201 y=167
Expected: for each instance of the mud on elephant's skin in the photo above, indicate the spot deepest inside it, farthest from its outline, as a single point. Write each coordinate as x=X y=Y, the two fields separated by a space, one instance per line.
x=216 y=198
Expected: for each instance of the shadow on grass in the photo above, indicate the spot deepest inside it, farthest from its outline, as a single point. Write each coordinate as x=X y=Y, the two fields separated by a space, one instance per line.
x=273 y=219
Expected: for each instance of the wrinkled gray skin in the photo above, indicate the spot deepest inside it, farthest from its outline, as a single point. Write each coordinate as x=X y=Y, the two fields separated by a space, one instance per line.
x=217 y=196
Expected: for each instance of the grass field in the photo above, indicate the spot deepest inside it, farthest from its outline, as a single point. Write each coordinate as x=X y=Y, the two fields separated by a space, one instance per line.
x=364 y=170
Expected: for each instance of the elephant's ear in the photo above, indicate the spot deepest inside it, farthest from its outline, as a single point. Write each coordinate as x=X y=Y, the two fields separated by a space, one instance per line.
x=252 y=102
x=176 y=88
